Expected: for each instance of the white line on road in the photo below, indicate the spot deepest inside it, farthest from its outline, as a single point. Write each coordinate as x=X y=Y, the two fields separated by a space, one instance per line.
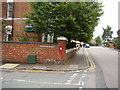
x=81 y=83
x=69 y=81
x=75 y=74
x=80 y=87
x=27 y=81
x=83 y=75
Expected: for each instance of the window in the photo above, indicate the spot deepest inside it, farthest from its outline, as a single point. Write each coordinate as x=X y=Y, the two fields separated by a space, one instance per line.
x=48 y=38
x=10 y=10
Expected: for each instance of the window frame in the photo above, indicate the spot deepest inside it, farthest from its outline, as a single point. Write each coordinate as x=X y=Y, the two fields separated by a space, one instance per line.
x=9 y=10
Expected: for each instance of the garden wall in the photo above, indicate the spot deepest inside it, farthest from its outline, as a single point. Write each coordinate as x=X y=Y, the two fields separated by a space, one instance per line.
x=70 y=53
x=13 y=51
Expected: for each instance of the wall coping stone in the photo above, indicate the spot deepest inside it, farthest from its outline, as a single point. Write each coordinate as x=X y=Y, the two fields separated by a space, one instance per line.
x=62 y=38
x=26 y=42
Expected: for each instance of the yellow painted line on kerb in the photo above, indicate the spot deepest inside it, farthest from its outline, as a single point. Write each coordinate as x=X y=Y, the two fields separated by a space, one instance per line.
x=92 y=66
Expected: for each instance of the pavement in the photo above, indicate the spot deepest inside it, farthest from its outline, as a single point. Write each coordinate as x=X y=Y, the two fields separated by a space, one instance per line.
x=80 y=61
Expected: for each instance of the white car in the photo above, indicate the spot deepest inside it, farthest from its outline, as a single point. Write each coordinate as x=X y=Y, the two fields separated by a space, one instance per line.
x=87 y=46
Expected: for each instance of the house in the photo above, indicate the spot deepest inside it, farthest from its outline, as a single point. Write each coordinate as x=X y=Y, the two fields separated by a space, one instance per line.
x=13 y=16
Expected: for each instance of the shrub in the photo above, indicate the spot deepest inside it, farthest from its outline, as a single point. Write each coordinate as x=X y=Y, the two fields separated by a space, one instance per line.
x=70 y=45
x=116 y=44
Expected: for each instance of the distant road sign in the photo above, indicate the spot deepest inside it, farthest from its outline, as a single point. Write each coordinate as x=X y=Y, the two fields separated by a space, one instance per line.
x=28 y=26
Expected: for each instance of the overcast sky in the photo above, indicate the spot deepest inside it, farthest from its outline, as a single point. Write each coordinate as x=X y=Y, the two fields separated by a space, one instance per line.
x=110 y=17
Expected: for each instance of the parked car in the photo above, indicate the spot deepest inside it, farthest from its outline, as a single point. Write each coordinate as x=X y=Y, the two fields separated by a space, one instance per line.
x=87 y=46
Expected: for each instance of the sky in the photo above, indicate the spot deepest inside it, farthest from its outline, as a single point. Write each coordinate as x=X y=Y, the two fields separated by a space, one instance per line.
x=110 y=17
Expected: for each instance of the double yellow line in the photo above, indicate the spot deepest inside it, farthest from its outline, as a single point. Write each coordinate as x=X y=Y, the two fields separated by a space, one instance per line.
x=92 y=65
x=90 y=61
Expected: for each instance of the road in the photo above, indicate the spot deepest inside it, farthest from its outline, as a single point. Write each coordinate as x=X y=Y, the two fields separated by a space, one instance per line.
x=12 y=79
x=106 y=60
x=105 y=75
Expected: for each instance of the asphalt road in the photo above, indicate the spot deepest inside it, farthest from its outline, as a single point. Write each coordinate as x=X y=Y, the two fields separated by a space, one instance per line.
x=106 y=60
x=14 y=79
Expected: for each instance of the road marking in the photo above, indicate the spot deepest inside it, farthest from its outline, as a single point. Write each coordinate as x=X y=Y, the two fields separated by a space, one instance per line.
x=22 y=80
x=81 y=83
x=75 y=74
x=27 y=81
x=84 y=74
x=69 y=81
x=80 y=87
x=1 y=78
x=90 y=60
x=72 y=77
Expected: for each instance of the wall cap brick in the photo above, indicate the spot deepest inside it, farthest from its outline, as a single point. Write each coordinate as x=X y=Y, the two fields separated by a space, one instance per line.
x=62 y=38
x=26 y=42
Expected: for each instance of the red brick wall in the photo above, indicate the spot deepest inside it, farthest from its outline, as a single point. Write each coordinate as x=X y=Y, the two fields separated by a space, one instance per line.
x=20 y=8
x=70 y=54
x=18 y=32
x=46 y=53
x=4 y=9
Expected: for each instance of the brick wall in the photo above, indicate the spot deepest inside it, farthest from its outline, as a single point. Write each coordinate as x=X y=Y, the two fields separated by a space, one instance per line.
x=3 y=9
x=20 y=8
x=46 y=53
x=70 y=53
x=18 y=32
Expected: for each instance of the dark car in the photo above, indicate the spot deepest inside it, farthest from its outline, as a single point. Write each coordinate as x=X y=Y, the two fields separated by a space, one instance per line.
x=87 y=46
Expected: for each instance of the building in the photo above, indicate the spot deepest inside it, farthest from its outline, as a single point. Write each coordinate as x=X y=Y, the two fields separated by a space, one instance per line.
x=13 y=16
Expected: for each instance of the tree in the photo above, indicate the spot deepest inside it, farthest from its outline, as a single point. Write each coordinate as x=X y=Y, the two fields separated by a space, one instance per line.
x=74 y=20
x=98 y=40
x=107 y=34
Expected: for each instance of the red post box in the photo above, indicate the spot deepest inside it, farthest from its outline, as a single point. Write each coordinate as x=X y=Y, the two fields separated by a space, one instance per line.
x=60 y=48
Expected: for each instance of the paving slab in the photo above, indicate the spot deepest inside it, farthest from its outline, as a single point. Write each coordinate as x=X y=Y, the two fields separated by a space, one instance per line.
x=9 y=65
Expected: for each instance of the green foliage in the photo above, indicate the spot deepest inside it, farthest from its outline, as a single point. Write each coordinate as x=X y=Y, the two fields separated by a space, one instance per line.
x=116 y=44
x=106 y=43
x=92 y=44
x=23 y=37
x=107 y=34
x=70 y=45
x=2 y=23
x=98 y=41
x=74 y=20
